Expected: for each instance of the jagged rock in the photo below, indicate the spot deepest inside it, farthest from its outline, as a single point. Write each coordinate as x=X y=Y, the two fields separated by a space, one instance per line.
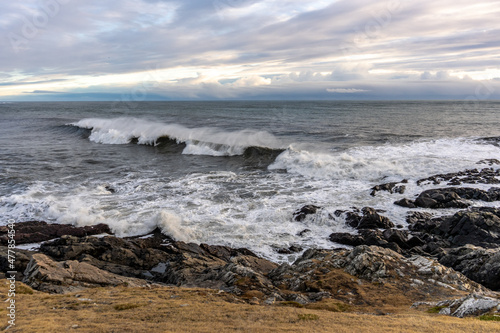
x=37 y=231
x=45 y=274
x=471 y=305
x=478 y=264
x=390 y=187
x=478 y=226
x=474 y=176
x=301 y=214
x=440 y=198
x=160 y=259
x=396 y=240
x=342 y=272
x=370 y=220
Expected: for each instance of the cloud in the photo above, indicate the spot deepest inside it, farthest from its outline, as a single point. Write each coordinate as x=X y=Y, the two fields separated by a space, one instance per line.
x=249 y=48
x=43 y=92
x=345 y=90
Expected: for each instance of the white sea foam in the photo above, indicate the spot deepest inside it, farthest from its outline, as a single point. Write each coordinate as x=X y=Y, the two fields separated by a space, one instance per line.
x=199 y=141
x=253 y=209
x=372 y=163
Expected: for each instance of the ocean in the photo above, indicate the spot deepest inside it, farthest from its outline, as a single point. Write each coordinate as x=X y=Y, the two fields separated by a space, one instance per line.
x=231 y=173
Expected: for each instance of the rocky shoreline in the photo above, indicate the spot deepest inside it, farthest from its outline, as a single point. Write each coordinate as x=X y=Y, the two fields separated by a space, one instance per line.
x=451 y=262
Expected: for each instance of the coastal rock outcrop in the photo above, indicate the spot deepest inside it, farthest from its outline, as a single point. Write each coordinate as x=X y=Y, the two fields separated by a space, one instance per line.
x=369 y=220
x=451 y=197
x=478 y=226
x=45 y=274
x=479 y=264
x=38 y=231
x=473 y=176
x=394 y=187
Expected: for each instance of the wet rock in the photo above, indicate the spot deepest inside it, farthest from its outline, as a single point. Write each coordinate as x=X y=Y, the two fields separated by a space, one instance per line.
x=289 y=250
x=347 y=239
x=396 y=240
x=370 y=220
x=38 y=231
x=440 y=198
x=390 y=187
x=303 y=232
x=301 y=214
x=473 y=176
x=405 y=203
x=451 y=197
x=489 y=161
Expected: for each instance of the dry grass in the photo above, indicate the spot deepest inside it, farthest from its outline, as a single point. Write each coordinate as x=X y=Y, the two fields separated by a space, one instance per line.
x=166 y=309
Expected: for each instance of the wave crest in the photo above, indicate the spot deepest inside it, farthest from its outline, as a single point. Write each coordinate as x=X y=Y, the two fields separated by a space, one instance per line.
x=197 y=141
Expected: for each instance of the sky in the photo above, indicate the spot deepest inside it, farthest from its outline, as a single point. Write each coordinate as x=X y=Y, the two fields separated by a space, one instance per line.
x=135 y=50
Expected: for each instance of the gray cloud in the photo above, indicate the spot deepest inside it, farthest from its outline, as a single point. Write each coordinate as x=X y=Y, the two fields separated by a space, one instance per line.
x=297 y=48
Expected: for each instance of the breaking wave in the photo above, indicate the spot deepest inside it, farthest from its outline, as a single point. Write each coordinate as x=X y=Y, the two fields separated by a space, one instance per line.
x=195 y=141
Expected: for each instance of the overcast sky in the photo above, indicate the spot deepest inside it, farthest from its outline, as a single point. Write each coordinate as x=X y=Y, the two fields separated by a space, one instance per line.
x=249 y=49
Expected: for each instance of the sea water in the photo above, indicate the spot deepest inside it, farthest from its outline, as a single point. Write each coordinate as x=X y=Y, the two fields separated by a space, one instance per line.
x=231 y=173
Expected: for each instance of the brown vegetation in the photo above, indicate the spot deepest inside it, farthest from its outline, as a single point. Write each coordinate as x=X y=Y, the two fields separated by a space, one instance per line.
x=170 y=309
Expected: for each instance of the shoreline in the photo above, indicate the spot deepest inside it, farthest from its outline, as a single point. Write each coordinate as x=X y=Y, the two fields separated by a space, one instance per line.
x=446 y=262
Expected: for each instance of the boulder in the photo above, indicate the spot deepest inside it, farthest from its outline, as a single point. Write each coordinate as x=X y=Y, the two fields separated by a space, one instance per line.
x=45 y=274
x=370 y=220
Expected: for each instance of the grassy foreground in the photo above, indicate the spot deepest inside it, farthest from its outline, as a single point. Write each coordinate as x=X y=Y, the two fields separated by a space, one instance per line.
x=170 y=309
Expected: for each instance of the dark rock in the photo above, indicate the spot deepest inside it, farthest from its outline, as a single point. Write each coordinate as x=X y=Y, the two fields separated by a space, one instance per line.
x=450 y=197
x=370 y=220
x=397 y=236
x=478 y=264
x=22 y=258
x=37 y=231
x=474 y=176
x=406 y=203
x=477 y=226
x=489 y=161
x=301 y=214
x=110 y=189
x=289 y=250
x=303 y=232
x=415 y=217
x=390 y=187
x=347 y=239
x=414 y=242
